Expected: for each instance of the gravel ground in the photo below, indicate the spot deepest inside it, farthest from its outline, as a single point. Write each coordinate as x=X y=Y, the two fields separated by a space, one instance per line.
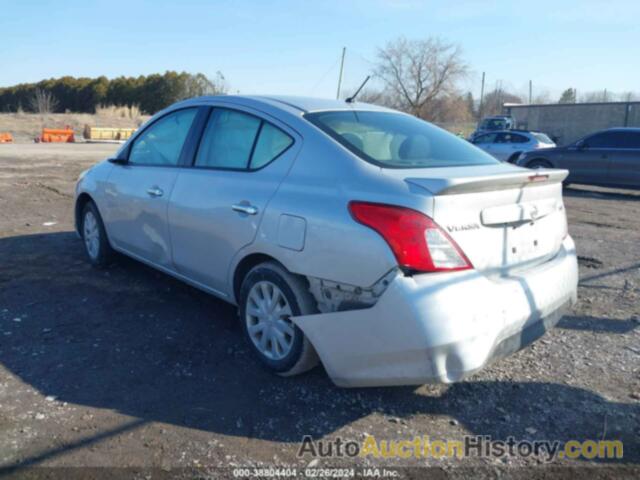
x=127 y=367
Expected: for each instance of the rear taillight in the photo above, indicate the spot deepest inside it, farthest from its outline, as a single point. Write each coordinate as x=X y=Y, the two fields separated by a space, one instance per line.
x=415 y=239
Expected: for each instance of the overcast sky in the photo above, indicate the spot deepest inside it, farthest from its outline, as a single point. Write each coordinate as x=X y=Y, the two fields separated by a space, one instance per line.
x=293 y=47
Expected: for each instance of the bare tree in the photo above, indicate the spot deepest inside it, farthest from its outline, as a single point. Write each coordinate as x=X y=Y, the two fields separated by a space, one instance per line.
x=493 y=103
x=43 y=101
x=416 y=72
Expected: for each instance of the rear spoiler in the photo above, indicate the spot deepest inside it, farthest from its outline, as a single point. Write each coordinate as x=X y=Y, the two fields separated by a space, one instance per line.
x=501 y=181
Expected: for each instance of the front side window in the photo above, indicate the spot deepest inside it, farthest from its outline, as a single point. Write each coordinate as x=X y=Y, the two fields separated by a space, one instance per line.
x=515 y=138
x=603 y=140
x=239 y=141
x=161 y=143
x=396 y=140
x=488 y=138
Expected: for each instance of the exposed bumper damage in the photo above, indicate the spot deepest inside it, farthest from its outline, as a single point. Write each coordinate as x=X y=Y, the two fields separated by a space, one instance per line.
x=338 y=297
x=442 y=327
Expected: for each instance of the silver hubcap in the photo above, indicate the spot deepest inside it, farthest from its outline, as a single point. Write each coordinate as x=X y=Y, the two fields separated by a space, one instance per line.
x=268 y=323
x=91 y=235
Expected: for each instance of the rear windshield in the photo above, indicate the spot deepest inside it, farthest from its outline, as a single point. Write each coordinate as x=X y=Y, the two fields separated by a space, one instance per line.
x=542 y=137
x=395 y=140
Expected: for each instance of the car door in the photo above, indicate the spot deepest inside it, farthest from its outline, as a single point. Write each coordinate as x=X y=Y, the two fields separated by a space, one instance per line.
x=587 y=160
x=138 y=190
x=502 y=148
x=216 y=206
x=624 y=159
x=486 y=142
x=512 y=144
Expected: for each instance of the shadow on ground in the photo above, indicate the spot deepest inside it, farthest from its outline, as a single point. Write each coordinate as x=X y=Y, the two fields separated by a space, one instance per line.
x=586 y=191
x=598 y=324
x=138 y=342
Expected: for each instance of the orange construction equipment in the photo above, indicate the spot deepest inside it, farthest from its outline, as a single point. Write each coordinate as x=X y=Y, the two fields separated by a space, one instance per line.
x=6 y=137
x=62 y=135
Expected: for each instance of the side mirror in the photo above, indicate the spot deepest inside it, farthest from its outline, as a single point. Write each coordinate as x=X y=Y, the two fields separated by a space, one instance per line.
x=117 y=161
x=581 y=145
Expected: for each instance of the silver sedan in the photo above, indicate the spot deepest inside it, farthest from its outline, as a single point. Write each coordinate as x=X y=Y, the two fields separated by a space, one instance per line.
x=378 y=244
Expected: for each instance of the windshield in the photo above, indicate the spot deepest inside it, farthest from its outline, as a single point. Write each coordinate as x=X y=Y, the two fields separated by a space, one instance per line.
x=494 y=124
x=395 y=140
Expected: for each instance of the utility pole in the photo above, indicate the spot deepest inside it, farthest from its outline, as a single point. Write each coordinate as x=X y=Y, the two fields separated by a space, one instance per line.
x=605 y=94
x=344 y=51
x=481 y=98
x=530 y=91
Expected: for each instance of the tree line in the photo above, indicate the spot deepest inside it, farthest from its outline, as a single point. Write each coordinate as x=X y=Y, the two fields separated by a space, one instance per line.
x=150 y=93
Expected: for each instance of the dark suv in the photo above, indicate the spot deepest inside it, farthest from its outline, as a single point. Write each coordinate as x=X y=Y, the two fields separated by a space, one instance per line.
x=609 y=158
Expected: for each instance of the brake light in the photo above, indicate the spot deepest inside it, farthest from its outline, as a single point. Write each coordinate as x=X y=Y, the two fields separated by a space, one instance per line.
x=417 y=242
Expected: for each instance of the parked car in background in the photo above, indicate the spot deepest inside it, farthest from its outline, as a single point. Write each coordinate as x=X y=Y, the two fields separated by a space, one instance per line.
x=609 y=158
x=507 y=145
x=493 y=124
x=388 y=248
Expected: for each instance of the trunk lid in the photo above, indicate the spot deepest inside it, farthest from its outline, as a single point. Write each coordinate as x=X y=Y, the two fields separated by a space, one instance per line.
x=502 y=217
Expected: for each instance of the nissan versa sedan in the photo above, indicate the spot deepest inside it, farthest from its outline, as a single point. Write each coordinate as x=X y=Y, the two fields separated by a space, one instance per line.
x=610 y=158
x=348 y=234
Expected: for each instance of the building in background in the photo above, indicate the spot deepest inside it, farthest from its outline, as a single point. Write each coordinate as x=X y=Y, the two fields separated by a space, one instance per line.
x=567 y=122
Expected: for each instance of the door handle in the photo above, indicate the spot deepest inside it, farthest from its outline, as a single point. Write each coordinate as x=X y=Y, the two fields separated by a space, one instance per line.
x=248 y=209
x=155 y=192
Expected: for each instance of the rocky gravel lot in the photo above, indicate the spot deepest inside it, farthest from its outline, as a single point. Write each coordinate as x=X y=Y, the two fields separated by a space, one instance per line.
x=126 y=367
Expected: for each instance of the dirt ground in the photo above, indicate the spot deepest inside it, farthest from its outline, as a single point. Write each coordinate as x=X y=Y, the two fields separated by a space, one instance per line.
x=127 y=367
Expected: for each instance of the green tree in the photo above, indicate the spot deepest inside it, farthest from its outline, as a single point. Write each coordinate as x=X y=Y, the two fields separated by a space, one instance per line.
x=568 y=96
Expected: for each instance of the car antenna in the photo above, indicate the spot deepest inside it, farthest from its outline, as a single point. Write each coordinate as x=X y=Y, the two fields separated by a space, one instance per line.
x=352 y=98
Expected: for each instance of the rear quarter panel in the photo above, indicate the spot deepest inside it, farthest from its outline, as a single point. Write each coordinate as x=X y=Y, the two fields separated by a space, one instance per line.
x=323 y=180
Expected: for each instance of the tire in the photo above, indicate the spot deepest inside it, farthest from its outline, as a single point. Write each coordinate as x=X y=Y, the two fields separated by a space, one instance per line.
x=279 y=344
x=539 y=163
x=94 y=236
x=512 y=159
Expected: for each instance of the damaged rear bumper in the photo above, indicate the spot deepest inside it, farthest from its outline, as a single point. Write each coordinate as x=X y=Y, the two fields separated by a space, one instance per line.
x=442 y=327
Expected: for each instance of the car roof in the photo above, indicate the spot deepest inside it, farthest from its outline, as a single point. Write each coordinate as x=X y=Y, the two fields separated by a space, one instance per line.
x=621 y=129
x=512 y=130
x=295 y=104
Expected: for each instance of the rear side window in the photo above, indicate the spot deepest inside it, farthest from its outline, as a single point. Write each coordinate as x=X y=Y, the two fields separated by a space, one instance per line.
x=396 y=140
x=161 y=143
x=271 y=143
x=238 y=141
x=228 y=140
x=542 y=138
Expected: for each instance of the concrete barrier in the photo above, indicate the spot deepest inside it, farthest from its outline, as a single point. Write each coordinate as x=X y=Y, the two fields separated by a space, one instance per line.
x=57 y=135
x=106 y=133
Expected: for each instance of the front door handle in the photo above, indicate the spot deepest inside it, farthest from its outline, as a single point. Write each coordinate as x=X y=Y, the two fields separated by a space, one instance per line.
x=155 y=192
x=248 y=209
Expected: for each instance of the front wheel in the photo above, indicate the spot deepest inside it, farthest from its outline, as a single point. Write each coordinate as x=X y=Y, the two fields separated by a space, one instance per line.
x=94 y=236
x=269 y=297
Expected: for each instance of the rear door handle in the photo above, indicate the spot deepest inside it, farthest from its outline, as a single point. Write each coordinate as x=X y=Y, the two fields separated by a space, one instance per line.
x=155 y=192
x=248 y=209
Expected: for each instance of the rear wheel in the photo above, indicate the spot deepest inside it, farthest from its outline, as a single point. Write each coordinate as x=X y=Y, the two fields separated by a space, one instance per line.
x=94 y=236
x=269 y=297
